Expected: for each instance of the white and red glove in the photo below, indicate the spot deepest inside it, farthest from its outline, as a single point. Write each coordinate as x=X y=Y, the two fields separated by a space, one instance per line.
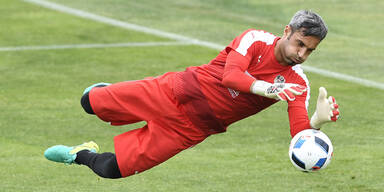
x=278 y=91
x=326 y=110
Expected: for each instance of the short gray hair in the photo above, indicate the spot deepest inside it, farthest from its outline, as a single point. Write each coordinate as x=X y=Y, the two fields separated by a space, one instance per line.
x=310 y=22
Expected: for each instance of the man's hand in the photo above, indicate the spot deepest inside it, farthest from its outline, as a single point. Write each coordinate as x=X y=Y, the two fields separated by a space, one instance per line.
x=278 y=91
x=326 y=110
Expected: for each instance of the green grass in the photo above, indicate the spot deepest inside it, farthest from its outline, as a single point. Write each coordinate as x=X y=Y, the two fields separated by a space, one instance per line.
x=40 y=92
x=352 y=47
x=28 y=24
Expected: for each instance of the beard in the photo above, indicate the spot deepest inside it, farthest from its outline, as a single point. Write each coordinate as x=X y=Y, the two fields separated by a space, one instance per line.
x=292 y=63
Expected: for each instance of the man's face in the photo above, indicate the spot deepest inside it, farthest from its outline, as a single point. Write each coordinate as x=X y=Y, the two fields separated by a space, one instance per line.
x=296 y=47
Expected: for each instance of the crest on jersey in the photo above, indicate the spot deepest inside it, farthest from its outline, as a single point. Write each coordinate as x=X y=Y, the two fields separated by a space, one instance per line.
x=279 y=79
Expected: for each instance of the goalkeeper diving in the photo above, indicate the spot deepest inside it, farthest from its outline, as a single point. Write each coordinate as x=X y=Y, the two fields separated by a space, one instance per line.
x=182 y=109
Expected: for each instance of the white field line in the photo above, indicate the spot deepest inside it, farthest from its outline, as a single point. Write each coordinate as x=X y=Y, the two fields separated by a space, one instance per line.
x=121 y=24
x=344 y=77
x=125 y=25
x=85 y=46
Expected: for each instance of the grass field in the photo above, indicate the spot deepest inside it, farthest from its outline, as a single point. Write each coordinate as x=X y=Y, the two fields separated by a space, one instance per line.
x=40 y=92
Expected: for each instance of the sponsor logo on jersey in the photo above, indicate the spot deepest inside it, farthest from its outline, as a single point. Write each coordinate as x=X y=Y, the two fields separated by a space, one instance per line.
x=258 y=60
x=233 y=92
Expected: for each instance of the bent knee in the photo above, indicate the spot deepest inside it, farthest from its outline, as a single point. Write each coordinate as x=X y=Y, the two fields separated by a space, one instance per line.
x=85 y=103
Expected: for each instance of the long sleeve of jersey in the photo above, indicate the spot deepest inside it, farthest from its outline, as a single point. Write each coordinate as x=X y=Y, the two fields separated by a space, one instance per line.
x=298 y=116
x=234 y=76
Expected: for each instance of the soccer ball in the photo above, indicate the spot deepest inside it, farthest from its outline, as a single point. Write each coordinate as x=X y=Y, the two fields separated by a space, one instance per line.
x=310 y=150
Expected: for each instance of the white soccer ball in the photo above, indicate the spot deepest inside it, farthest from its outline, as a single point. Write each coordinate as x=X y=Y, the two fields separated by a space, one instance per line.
x=310 y=150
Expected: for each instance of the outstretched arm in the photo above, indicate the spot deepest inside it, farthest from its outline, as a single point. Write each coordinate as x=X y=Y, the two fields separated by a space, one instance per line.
x=326 y=111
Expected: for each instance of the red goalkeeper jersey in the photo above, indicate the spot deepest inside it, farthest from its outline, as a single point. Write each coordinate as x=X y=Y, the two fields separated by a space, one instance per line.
x=223 y=86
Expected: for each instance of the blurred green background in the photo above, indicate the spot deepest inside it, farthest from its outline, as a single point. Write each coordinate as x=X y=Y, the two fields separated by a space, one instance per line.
x=41 y=89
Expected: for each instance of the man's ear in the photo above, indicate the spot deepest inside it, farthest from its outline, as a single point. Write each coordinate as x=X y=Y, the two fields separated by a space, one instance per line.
x=287 y=31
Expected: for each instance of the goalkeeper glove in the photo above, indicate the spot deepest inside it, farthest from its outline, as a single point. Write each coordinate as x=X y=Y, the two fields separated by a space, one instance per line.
x=278 y=91
x=326 y=110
